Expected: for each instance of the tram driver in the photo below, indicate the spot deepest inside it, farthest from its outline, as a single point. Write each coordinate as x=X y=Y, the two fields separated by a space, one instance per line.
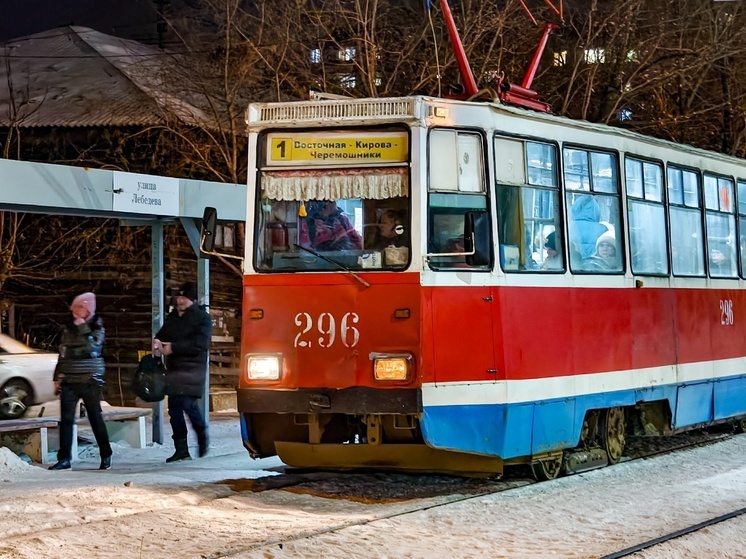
x=327 y=228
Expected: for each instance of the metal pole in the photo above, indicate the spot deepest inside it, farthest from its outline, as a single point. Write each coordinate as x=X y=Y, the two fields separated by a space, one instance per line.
x=203 y=292
x=157 y=309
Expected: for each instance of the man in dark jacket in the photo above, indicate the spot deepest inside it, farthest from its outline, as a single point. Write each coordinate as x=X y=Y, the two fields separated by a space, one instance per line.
x=184 y=340
x=80 y=374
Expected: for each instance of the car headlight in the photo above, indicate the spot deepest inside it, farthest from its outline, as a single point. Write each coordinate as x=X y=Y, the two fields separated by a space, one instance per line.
x=391 y=367
x=263 y=367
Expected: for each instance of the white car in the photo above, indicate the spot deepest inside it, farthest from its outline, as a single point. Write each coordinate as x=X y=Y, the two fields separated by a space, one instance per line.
x=25 y=377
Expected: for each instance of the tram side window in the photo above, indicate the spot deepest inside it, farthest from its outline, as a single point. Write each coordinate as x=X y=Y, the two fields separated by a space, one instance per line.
x=647 y=217
x=742 y=225
x=528 y=206
x=592 y=184
x=687 y=246
x=446 y=232
x=456 y=186
x=721 y=226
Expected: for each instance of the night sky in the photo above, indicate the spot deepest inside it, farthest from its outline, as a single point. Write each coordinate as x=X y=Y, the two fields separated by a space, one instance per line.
x=131 y=19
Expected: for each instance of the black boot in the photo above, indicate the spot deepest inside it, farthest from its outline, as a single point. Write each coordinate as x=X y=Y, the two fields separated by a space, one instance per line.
x=204 y=444
x=181 y=453
x=61 y=465
x=105 y=463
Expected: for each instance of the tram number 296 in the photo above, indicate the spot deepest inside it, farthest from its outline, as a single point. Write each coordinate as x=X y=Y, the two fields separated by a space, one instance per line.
x=726 y=312
x=326 y=325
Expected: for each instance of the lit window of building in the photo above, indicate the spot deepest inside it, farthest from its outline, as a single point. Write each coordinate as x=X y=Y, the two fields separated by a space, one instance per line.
x=595 y=56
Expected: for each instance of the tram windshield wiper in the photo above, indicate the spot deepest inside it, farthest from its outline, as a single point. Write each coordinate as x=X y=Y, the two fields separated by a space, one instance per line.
x=333 y=262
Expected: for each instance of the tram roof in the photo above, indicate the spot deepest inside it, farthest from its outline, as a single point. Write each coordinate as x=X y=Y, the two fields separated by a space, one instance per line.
x=419 y=109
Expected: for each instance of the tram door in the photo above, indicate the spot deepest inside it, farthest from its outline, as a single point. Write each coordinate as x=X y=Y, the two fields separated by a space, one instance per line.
x=462 y=330
x=463 y=340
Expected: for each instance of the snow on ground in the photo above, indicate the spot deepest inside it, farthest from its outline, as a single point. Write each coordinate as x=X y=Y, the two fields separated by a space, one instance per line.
x=144 y=508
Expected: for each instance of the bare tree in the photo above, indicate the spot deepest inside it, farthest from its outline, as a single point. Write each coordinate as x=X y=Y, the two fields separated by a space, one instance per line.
x=670 y=66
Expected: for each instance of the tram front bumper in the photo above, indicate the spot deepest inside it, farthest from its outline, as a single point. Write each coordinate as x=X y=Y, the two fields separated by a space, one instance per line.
x=353 y=401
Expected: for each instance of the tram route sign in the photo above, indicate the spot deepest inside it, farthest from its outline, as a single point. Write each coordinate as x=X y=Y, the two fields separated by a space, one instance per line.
x=319 y=148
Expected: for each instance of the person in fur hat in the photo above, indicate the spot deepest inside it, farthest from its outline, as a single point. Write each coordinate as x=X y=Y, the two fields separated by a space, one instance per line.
x=79 y=374
x=607 y=251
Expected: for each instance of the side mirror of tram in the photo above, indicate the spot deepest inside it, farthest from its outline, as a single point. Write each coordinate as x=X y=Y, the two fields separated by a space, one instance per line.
x=207 y=240
x=477 y=238
x=207 y=235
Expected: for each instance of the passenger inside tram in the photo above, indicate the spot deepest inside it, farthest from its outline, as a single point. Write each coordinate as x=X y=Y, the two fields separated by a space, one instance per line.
x=606 y=251
x=553 y=260
x=585 y=225
x=388 y=232
x=721 y=260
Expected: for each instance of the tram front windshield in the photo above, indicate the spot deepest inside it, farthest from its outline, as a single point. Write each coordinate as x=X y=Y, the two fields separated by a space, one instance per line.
x=326 y=234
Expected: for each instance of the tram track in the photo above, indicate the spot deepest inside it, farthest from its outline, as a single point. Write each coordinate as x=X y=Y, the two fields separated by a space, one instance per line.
x=225 y=554
x=331 y=529
x=674 y=535
x=439 y=492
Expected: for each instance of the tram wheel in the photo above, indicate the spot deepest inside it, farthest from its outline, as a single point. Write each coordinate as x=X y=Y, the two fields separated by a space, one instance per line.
x=612 y=433
x=741 y=425
x=545 y=470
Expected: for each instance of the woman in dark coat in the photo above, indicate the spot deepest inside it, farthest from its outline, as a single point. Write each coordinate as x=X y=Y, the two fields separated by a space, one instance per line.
x=80 y=375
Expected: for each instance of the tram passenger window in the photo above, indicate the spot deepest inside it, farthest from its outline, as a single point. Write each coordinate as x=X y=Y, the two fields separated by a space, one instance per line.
x=530 y=229
x=687 y=240
x=603 y=166
x=541 y=161
x=528 y=217
x=577 y=176
x=721 y=226
x=592 y=231
x=647 y=220
x=594 y=211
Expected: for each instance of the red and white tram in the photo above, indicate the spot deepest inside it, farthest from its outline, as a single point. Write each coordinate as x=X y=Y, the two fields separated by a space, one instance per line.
x=442 y=285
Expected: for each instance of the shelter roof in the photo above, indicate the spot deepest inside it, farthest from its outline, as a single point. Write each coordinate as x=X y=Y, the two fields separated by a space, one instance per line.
x=75 y=76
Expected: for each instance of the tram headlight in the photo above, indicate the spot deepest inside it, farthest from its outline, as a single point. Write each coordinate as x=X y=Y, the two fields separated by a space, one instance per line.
x=391 y=367
x=263 y=367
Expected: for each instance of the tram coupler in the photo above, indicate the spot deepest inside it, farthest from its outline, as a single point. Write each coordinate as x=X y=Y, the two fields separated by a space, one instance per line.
x=577 y=461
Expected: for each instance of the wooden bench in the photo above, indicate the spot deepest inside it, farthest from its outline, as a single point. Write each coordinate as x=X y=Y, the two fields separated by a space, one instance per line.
x=35 y=444
x=125 y=424
x=122 y=424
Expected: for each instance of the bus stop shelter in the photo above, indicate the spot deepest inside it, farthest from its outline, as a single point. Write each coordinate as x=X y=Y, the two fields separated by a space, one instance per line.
x=135 y=199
